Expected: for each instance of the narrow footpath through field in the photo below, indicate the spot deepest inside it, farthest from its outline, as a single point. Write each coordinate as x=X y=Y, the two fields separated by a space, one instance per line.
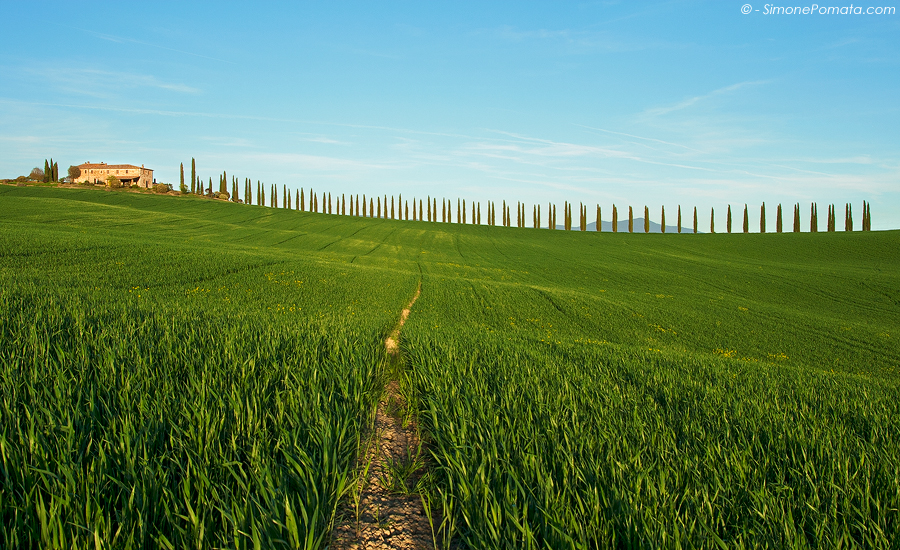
x=385 y=510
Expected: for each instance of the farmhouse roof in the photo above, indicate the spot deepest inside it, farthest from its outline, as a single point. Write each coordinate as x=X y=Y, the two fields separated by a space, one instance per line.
x=90 y=165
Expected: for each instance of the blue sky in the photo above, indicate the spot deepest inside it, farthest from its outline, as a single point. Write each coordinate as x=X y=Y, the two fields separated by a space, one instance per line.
x=632 y=103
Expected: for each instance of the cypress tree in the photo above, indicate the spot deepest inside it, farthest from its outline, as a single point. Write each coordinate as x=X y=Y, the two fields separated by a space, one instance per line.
x=746 y=220
x=443 y=211
x=329 y=201
x=813 y=221
x=209 y=189
x=392 y=207
x=429 y=207
x=193 y=175
x=222 y=183
x=46 y=171
x=378 y=204
x=695 y=219
x=630 y=220
x=477 y=221
x=712 y=220
x=371 y=207
x=406 y=210
x=463 y=211
x=554 y=216
x=503 y=213
x=275 y=196
x=646 y=219
x=49 y=176
x=778 y=219
x=849 y=217
x=364 y=205
x=474 y=220
x=259 y=200
x=662 y=220
x=679 y=218
x=599 y=223
x=457 y=211
x=728 y=220
x=434 y=209
x=234 y=191
x=762 y=218
x=615 y=220
x=181 y=171
x=796 y=218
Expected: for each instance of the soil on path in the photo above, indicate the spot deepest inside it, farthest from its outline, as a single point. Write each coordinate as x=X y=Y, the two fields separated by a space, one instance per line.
x=386 y=511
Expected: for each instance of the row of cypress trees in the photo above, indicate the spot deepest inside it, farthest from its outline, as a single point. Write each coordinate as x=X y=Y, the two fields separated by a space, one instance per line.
x=427 y=209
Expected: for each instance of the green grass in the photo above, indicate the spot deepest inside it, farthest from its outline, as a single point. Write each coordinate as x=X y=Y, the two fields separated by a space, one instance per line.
x=192 y=371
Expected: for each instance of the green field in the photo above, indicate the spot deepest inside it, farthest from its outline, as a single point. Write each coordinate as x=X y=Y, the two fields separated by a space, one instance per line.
x=190 y=373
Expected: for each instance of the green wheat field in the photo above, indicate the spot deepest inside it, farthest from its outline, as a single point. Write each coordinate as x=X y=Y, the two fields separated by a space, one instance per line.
x=183 y=373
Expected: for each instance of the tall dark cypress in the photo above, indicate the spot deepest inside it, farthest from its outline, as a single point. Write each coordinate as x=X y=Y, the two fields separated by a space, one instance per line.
x=193 y=175
x=746 y=220
x=630 y=220
x=181 y=171
x=728 y=220
x=813 y=219
x=615 y=219
x=679 y=218
x=695 y=219
x=778 y=219
x=849 y=217
x=712 y=220
x=46 y=171
x=646 y=219
x=797 y=218
x=762 y=218
x=662 y=220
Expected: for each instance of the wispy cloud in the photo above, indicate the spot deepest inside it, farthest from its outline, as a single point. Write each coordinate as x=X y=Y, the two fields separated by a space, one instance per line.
x=99 y=83
x=657 y=111
x=126 y=40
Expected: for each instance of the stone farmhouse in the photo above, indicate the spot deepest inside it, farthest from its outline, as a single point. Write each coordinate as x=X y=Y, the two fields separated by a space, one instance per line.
x=128 y=174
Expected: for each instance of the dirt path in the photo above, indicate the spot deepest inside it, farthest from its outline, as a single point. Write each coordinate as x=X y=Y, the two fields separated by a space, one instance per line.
x=386 y=510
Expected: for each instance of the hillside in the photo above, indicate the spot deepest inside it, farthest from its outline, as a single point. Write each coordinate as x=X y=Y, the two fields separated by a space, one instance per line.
x=677 y=373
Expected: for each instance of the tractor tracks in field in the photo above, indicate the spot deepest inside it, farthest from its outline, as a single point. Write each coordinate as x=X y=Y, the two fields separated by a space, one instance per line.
x=384 y=509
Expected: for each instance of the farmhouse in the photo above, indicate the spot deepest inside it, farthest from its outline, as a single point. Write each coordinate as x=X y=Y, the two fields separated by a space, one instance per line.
x=128 y=174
